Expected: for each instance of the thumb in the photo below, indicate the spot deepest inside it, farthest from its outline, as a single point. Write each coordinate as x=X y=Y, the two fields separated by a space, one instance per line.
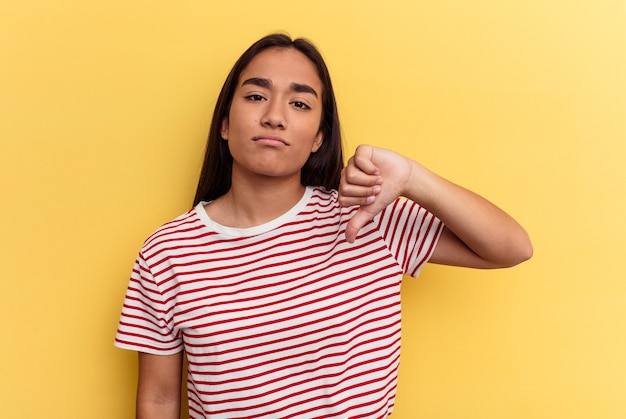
x=358 y=221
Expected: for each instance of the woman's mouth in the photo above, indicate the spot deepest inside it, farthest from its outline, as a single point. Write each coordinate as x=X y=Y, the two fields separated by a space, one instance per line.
x=270 y=140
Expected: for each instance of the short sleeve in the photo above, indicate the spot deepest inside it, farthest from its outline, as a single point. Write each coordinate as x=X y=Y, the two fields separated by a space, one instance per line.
x=411 y=233
x=146 y=322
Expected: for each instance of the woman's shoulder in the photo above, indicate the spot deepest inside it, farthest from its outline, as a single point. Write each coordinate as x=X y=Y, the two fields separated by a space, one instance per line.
x=180 y=227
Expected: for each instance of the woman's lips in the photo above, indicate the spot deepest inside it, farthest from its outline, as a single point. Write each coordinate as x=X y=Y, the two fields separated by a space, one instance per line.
x=270 y=140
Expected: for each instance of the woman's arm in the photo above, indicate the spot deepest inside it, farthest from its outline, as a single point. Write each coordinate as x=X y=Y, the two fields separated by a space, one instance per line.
x=477 y=233
x=158 y=390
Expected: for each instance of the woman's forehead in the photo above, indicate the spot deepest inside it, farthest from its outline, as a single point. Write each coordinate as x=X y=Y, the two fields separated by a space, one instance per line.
x=282 y=65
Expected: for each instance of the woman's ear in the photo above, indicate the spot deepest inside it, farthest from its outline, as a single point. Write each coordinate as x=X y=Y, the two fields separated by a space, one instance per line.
x=224 y=129
x=317 y=142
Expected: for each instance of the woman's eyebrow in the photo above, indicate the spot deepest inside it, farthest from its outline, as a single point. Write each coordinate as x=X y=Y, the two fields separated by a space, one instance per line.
x=258 y=81
x=303 y=88
x=267 y=83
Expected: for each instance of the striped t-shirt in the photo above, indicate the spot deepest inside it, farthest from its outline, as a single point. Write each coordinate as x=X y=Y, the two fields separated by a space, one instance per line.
x=285 y=319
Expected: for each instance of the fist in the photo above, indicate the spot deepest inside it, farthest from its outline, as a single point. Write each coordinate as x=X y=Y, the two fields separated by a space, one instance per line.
x=372 y=179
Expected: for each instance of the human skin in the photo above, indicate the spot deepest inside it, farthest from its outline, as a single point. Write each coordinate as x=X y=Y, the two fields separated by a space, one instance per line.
x=272 y=128
x=477 y=234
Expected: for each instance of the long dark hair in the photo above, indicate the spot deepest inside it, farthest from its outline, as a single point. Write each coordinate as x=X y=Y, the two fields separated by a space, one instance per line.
x=323 y=168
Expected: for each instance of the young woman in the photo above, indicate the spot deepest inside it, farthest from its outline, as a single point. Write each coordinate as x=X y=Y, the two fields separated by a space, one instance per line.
x=282 y=284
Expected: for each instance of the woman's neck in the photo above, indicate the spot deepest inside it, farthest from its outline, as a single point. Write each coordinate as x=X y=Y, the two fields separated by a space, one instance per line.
x=255 y=201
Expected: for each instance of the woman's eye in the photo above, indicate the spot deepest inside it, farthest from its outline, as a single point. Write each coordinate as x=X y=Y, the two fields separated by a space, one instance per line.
x=255 y=98
x=300 y=105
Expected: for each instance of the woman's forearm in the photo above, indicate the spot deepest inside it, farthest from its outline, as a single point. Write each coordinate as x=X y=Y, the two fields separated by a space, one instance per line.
x=485 y=229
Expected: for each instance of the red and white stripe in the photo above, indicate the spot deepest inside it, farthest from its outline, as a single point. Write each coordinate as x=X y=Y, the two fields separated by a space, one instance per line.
x=282 y=320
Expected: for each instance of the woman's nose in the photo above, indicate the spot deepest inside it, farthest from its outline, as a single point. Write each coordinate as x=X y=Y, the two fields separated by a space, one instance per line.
x=274 y=116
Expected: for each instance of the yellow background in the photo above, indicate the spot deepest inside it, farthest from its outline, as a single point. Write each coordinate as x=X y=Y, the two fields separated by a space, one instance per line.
x=104 y=110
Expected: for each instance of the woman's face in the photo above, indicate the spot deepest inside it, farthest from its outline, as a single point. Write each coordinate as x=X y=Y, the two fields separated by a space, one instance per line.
x=274 y=119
